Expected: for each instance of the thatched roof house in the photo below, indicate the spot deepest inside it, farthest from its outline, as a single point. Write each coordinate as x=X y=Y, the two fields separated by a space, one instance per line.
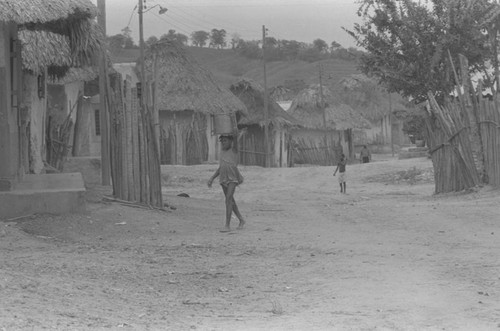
x=252 y=95
x=186 y=96
x=182 y=84
x=254 y=144
x=281 y=93
x=314 y=111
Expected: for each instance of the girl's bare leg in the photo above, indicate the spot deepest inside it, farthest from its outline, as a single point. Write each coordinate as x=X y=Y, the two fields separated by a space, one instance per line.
x=238 y=214
x=229 y=192
x=231 y=206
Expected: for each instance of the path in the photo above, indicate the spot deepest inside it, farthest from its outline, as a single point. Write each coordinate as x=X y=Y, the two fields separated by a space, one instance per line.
x=382 y=257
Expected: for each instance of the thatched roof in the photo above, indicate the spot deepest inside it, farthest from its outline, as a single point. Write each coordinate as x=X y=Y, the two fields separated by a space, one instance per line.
x=369 y=98
x=281 y=93
x=39 y=12
x=72 y=19
x=252 y=95
x=43 y=49
x=183 y=84
x=86 y=74
x=311 y=110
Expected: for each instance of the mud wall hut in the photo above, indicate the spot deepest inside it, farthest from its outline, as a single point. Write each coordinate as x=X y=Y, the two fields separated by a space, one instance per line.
x=53 y=89
x=380 y=108
x=325 y=128
x=69 y=18
x=186 y=95
x=252 y=144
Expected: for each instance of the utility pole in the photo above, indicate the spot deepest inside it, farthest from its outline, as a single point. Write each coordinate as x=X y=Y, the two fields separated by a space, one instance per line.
x=390 y=123
x=321 y=98
x=141 y=55
x=103 y=105
x=266 y=103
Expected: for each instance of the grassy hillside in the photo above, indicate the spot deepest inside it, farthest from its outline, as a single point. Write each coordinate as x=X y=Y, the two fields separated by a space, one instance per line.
x=227 y=67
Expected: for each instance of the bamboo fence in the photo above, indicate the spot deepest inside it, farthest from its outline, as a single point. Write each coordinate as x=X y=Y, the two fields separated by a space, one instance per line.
x=325 y=152
x=450 y=148
x=464 y=136
x=135 y=164
x=252 y=147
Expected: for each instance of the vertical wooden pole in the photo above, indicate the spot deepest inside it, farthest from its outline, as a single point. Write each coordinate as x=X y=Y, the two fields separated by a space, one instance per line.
x=104 y=118
x=266 y=102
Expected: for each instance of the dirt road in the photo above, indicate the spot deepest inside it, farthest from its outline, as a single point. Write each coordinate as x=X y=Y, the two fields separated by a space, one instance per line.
x=386 y=256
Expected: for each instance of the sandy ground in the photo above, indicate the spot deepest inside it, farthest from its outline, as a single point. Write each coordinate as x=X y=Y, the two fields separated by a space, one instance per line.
x=389 y=255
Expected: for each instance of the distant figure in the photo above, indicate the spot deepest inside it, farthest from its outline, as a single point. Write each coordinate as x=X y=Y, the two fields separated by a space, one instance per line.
x=341 y=169
x=365 y=156
x=229 y=177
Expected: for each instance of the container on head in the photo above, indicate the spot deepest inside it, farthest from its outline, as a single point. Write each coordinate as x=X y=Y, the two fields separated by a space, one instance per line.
x=224 y=124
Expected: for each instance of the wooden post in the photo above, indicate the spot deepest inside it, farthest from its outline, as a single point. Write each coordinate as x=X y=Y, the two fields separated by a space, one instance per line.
x=266 y=102
x=104 y=118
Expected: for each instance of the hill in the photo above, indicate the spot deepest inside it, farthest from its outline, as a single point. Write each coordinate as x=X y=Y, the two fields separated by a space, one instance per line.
x=227 y=66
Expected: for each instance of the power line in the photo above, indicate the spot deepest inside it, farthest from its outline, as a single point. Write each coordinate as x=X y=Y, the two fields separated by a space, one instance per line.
x=172 y=24
x=232 y=25
x=131 y=15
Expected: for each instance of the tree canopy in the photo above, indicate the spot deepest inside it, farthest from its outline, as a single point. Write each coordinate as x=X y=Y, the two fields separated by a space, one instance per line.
x=199 y=38
x=409 y=43
x=218 y=38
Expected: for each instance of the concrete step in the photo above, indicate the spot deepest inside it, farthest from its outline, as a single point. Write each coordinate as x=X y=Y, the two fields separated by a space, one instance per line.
x=45 y=193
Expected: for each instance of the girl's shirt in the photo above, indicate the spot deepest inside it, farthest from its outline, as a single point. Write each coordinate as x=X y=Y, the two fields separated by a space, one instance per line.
x=341 y=165
x=228 y=168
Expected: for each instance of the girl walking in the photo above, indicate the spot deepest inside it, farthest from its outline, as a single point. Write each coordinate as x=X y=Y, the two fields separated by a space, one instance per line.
x=229 y=177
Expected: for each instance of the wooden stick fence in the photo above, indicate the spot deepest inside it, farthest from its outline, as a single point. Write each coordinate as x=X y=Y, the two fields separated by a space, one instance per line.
x=450 y=148
x=464 y=136
x=326 y=152
x=135 y=164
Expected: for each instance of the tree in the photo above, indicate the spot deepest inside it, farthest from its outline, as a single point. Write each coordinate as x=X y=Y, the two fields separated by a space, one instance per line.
x=408 y=43
x=218 y=38
x=235 y=38
x=291 y=48
x=116 y=42
x=320 y=45
x=249 y=49
x=128 y=41
x=334 y=46
x=199 y=38
x=151 y=40
x=174 y=36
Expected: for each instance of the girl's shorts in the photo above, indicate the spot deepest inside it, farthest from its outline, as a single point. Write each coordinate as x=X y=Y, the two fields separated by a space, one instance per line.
x=342 y=177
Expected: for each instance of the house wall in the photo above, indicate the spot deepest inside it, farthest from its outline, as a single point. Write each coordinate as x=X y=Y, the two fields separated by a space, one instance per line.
x=252 y=146
x=91 y=108
x=9 y=130
x=318 y=147
x=183 y=137
x=213 y=142
x=383 y=135
x=73 y=91
x=37 y=106
x=280 y=149
x=87 y=129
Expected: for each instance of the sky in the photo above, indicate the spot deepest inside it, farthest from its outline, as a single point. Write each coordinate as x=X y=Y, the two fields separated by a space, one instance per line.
x=301 y=20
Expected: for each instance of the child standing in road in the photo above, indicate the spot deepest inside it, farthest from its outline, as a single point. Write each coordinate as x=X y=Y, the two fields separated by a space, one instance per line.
x=365 y=156
x=341 y=169
x=229 y=177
